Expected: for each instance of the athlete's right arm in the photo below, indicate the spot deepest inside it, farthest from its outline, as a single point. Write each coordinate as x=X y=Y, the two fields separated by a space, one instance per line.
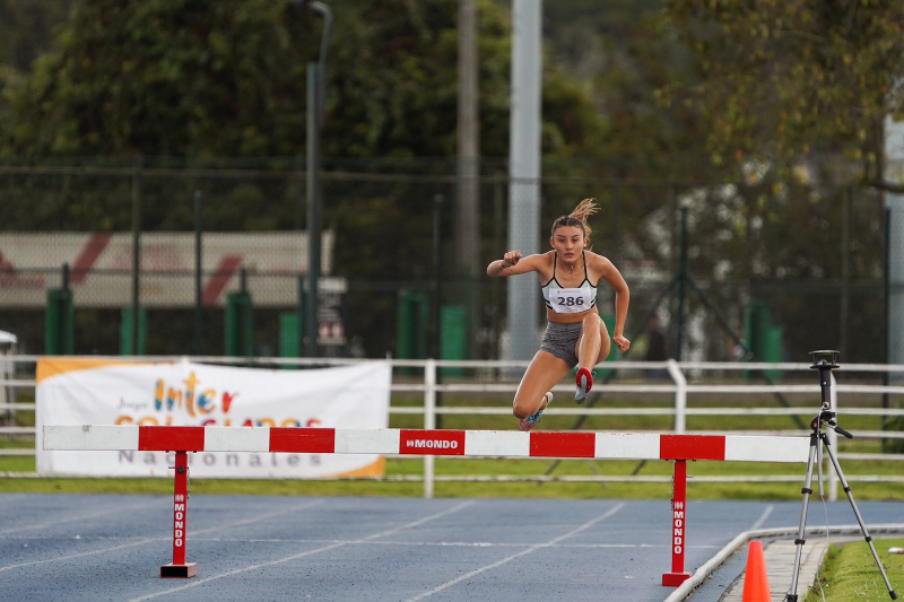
x=512 y=263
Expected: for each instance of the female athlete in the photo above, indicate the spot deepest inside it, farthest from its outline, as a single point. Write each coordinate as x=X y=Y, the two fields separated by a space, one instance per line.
x=575 y=335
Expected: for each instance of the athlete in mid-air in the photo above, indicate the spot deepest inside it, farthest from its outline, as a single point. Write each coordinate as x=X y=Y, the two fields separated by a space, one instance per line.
x=576 y=335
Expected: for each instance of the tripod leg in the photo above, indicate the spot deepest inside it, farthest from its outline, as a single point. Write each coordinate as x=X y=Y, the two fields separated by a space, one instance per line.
x=806 y=491
x=822 y=493
x=863 y=529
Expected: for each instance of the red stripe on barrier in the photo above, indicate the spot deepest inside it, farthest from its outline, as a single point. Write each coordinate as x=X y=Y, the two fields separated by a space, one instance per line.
x=563 y=445
x=691 y=447
x=171 y=438
x=302 y=440
x=432 y=443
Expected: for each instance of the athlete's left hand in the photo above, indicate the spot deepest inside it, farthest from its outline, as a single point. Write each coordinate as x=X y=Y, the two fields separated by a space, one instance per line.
x=622 y=343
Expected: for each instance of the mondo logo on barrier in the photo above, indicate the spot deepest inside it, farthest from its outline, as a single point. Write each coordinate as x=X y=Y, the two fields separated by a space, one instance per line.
x=443 y=443
x=179 y=521
x=678 y=528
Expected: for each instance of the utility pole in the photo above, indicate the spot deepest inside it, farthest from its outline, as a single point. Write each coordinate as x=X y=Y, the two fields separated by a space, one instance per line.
x=315 y=117
x=136 y=259
x=524 y=172
x=312 y=319
x=199 y=263
x=468 y=159
x=894 y=203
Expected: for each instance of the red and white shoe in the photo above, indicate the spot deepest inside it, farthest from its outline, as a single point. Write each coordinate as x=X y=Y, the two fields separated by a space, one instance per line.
x=584 y=382
x=526 y=424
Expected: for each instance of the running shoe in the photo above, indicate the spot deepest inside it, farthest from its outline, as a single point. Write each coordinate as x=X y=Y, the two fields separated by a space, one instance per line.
x=584 y=382
x=526 y=424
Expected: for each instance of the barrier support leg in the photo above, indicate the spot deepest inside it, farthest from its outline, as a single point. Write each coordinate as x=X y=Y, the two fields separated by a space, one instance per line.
x=179 y=568
x=679 y=527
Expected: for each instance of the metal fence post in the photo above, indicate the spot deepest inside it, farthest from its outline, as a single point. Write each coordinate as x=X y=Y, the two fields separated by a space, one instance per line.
x=429 y=420
x=680 y=396
x=136 y=258
x=199 y=262
x=682 y=284
x=312 y=320
x=833 y=441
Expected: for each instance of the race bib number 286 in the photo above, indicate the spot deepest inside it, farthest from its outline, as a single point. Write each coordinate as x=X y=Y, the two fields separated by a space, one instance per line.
x=569 y=300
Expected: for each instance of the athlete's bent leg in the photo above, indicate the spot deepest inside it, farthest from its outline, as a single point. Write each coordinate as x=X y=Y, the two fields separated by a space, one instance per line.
x=544 y=371
x=605 y=343
x=592 y=348
x=594 y=345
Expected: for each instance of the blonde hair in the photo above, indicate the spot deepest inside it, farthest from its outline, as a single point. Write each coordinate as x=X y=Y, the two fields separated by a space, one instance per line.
x=578 y=218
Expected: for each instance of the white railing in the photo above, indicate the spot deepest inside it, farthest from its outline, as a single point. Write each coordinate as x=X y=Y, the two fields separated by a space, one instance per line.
x=679 y=389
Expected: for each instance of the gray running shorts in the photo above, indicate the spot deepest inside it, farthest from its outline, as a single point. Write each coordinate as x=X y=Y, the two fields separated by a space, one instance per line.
x=561 y=339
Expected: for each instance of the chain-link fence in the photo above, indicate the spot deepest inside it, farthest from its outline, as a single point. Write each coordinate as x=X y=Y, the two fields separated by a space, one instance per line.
x=769 y=269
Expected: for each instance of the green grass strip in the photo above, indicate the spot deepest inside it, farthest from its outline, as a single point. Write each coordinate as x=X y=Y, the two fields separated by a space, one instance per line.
x=788 y=491
x=849 y=572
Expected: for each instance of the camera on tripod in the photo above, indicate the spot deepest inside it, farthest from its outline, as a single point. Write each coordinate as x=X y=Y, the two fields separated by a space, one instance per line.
x=824 y=359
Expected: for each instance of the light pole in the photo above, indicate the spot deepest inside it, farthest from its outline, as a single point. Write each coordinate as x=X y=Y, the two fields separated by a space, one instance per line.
x=524 y=170
x=315 y=118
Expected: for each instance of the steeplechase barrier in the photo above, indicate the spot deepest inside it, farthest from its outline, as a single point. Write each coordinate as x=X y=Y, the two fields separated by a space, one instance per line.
x=182 y=440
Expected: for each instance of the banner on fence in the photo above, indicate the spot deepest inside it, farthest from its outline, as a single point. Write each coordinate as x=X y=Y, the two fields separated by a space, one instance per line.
x=101 y=267
x=77 y=391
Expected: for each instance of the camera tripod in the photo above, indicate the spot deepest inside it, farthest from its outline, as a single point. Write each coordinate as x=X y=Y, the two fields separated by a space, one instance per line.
x=825 y=362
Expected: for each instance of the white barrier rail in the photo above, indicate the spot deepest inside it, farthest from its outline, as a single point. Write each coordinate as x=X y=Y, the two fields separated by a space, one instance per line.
x=463 y=443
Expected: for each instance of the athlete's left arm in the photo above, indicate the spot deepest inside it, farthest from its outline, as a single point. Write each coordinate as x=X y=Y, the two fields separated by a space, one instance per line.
x=610 y=274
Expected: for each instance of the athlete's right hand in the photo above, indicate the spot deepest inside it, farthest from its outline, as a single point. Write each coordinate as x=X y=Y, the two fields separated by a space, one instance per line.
x=510 y=259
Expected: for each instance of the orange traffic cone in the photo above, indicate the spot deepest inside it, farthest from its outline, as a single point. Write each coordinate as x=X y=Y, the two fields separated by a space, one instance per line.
x=756 y=582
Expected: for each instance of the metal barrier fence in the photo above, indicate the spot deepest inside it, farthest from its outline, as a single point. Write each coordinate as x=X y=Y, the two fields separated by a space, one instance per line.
x=501 y=373
x=747 y=255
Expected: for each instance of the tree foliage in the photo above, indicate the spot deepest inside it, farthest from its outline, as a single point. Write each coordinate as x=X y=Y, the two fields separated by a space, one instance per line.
x=754 y=113
x=26 y=32
x=786 y=80
x=163 y=77
x=205 y=78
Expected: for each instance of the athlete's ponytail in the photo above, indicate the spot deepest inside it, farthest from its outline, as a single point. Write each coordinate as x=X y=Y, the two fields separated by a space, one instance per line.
x=578 y=218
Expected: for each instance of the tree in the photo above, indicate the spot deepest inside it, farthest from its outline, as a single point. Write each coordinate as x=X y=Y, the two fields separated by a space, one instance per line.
x=26 y=28
x=785 y=82
x=160 y=80
x=202 y=78
x=165 y=77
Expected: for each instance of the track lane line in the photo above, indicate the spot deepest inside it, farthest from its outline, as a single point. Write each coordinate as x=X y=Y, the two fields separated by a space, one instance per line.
x=61 y=521
x=508 y=559
x=158 y=539
x=763 y=517
x=460 y=544
x=303 y=554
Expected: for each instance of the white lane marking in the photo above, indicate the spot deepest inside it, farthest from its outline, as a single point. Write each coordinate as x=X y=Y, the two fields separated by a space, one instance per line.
x=69 y=519
x=507 y=559
x=460 y=544
x=762 y=519
x=166 y=538
x=303 y=554
x=439 y=544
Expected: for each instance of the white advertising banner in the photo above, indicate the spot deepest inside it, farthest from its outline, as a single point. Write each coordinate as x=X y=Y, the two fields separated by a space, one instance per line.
x=78 y=391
